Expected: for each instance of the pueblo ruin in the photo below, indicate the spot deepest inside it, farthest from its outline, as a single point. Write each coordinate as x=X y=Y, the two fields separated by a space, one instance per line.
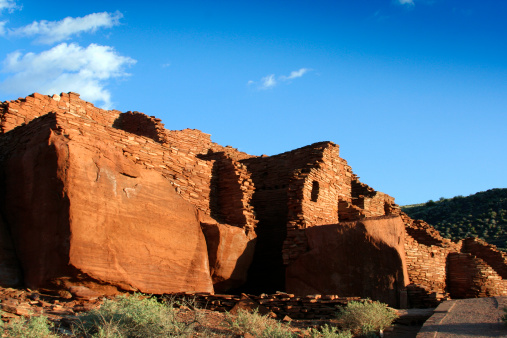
x=114 y=202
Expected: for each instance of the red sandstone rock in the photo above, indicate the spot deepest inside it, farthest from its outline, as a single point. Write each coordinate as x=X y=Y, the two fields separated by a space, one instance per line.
x=230 y=252
x=78 y=208
x=106 y=200
x=10 y=272
x=365 y=258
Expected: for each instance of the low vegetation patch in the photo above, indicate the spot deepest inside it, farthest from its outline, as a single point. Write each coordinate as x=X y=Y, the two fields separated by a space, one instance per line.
x=327 y=331
x=33 y=327
x=366 y=317
x=131 y=317
x=257 y=325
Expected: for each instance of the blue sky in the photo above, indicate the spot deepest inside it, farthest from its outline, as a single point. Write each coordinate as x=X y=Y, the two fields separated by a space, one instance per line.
x=414 y=92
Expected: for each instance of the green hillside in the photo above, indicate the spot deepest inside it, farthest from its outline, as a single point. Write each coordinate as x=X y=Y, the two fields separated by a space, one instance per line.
x=482 y=215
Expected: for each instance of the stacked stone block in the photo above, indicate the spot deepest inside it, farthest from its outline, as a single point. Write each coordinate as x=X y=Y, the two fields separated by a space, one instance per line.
x=277 y=197
x=471 y=277
x=281 y=304
x=22 y=111
x=488 y=253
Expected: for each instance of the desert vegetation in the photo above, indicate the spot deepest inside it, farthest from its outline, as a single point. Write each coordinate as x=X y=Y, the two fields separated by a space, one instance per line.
x=144 y=316
x=482 y=215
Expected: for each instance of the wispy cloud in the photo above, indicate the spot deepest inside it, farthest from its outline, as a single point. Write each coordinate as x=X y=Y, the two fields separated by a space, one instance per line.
x=406 y=2
x=66 y=67
x=271 y=80
x=2 y=27
x=9 y=5
x=49 y=32
x=268 y=81
x=295 y=74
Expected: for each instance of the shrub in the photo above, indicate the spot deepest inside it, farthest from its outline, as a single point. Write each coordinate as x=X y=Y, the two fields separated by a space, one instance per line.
x=130 y=317
x=34 y=327
x=257 y=325
x=327 y=331
x=366 y=317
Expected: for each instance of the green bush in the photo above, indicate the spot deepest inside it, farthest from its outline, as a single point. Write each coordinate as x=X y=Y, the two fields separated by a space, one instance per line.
x=34 y=327
x=327 y=331
x=131 y=317
x=257 y=325
x=366 y=317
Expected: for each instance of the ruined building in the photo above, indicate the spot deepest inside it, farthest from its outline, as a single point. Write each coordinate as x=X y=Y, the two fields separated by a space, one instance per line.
x=114 y=201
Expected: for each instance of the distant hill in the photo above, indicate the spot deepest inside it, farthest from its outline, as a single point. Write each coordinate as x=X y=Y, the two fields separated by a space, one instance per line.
x=482 y=215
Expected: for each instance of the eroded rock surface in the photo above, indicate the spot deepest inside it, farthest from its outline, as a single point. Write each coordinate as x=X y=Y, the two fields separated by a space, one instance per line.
x=95 y=201
x=96 y=214
x=364 y=258
x=230 y=252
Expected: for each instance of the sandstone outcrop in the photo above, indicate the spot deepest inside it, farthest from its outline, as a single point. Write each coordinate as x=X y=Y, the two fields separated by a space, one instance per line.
x=10 y=274
x=103 y=201
x=95 y=213
x=366 y=258
x=230 y=253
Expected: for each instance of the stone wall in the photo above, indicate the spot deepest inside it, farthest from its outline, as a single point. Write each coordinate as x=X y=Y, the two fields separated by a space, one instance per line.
x=470 y=277
x=144 y=141
x=426 y=266
x=427 y=255
x=439 y=269
x=274 y=198
x=488 y=253
x=231 y=192
x=281 y=304
x=142 y=125
x=21 y=111
x=327 y=193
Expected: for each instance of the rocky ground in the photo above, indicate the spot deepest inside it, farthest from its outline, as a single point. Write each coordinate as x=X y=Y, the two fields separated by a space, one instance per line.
x=63 y=311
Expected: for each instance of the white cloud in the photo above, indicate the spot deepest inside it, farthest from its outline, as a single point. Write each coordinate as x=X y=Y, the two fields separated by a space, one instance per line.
x=10 y=5
x=268 y=82
x=2 y=27
x=406 y=2
x=295 y=74
x=271 y=81
x=49 y=32
x=64 y=68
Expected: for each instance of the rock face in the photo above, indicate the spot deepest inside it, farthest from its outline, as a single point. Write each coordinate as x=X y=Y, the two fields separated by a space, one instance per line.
x=230 y=252
x=10 y=274
x=99 y=215
x=364 y=258
x=104 y=201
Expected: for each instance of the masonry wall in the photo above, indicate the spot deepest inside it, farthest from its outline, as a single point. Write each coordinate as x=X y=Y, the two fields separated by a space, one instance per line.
x=142 y=125
x=314 y=195
x=372 y=203
x=189 y=175
x=231 y=192
x=471 y=277
x=488 y=253
x=327 y=194
x=145 y=141
x=427 y=254
x=24 y=110
x=426 y=267
x=281 y=304
x=275 y=196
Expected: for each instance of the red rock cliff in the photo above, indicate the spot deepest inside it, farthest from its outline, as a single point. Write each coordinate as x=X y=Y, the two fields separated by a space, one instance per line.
x=114 y=200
